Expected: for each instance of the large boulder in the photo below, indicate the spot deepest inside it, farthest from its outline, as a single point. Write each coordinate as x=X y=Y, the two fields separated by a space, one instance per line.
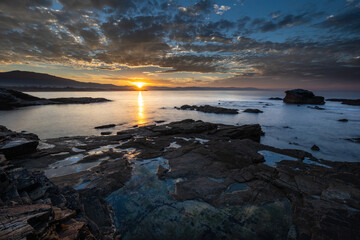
x=301 y=96
x=13 y=144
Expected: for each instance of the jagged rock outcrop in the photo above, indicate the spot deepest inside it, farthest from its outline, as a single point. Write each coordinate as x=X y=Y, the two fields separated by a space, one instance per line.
x=301 y=96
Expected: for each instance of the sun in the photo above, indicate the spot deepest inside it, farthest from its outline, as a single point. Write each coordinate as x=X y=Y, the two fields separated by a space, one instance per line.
x=139 y=84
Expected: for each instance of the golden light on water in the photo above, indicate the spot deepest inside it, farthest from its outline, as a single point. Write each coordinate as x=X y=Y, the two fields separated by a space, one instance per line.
x=141 y=116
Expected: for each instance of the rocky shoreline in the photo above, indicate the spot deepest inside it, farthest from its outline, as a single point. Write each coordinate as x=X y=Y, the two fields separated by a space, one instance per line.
x=11 y=99
x=213 y=167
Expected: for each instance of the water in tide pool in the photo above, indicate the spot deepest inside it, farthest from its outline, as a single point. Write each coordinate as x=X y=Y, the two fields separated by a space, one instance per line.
x=285 y=126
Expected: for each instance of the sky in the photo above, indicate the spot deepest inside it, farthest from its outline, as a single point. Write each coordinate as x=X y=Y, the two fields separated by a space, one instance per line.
x=275 y=44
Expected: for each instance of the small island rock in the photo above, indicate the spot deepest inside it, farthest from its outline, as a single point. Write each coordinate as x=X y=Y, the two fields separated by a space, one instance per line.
x=301 y=96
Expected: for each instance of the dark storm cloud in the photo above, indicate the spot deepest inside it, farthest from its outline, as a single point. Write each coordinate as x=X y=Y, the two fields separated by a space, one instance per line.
x=104 y=35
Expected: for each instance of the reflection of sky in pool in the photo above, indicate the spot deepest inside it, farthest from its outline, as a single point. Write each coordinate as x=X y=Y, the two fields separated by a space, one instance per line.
x=271 y=158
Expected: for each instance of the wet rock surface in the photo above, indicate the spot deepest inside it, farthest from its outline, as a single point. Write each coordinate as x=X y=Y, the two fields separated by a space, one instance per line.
x=355 y=102
x=32 y=207
x=301 y=96
x=209 y=109
x=11 y=99
x=197 y=180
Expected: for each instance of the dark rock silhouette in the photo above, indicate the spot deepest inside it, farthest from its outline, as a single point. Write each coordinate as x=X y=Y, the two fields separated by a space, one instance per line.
x=252 y=110
x=11 y=99
x=355 y=102
x=275 y=98
x=316 y=108
x=105 y=126
x=209 y=109
x=315 y=148
x=301 y=96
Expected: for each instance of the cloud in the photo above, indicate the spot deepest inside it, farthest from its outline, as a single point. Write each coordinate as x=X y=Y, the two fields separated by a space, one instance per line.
x=220 y=10
x=116 y=35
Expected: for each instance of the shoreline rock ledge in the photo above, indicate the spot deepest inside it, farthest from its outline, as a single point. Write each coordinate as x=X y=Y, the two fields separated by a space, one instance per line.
x=302 y=96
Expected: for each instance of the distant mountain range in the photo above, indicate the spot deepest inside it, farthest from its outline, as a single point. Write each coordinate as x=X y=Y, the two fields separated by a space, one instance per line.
x=23 y=79
x=32 y=81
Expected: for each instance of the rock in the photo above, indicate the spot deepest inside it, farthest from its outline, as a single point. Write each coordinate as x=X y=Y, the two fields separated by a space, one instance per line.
x=18 y=147
x=80 y=100
x=11 y=99
x=355 y=140
x=343 y=120
x=105 y=126
x=160 y=121
x=315 y=148
x=13 y=144
x=253 y=110
x=355 y=102
x=209 y=109
x=185 y=127
x=316 y=107
x=106 y=133
x=161 y=171
x=301 y=96
x=252 y=132
x=275 y=98
x=32 y=207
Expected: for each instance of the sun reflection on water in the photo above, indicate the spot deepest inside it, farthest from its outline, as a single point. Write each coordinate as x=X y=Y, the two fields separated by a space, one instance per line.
x=141 y=115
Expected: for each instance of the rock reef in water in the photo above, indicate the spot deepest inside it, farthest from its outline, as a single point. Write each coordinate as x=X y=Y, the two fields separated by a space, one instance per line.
x=105 y=126
x=275 y=98
x=209 y=109
x=212 y=167
x=253 y=110
x=11 y=99
x=301 y=96
x=354 y=102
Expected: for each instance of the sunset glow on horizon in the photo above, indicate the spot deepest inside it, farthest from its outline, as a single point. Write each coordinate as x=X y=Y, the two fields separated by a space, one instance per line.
x=139 y=84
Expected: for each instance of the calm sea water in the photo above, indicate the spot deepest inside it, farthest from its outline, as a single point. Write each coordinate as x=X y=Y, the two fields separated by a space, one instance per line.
x=285 y=126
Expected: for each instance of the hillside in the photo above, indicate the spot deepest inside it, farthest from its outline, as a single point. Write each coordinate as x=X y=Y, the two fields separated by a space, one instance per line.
x=23 y=79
